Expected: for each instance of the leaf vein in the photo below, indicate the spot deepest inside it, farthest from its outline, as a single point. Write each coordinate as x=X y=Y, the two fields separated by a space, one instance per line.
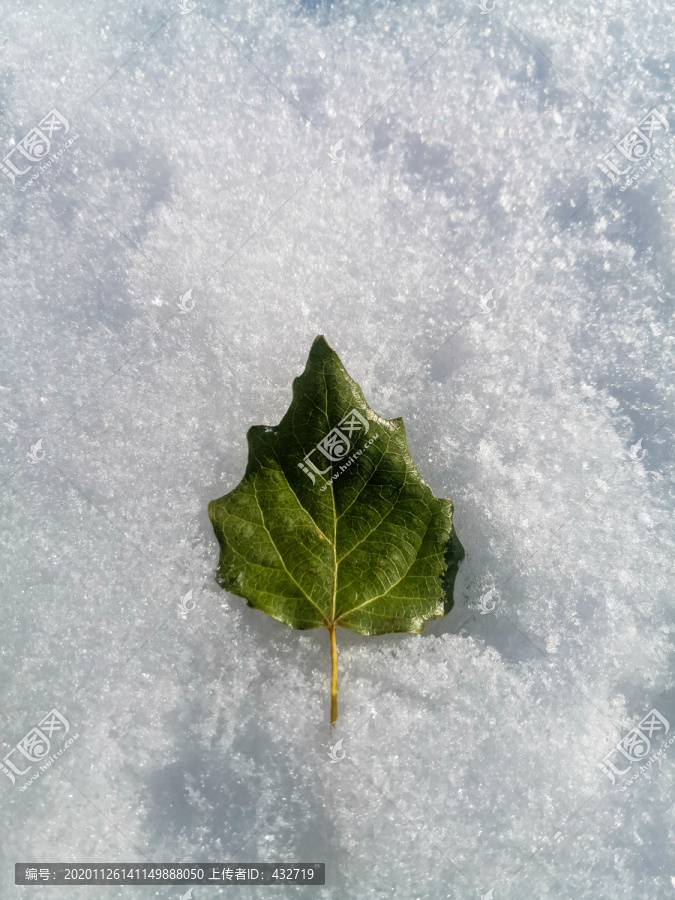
x=281 y=559
x=388 y=591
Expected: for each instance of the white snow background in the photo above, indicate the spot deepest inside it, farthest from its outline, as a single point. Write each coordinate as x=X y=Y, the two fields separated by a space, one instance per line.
x=469 y=163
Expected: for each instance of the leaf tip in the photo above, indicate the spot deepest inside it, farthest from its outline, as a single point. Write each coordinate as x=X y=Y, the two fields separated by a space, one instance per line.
x=320 y=348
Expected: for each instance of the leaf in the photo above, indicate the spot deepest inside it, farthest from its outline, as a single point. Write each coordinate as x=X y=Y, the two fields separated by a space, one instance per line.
x=332 y=524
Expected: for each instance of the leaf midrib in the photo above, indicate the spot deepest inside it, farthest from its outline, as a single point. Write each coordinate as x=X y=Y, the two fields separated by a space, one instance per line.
x=332 y=496
x=281 y=559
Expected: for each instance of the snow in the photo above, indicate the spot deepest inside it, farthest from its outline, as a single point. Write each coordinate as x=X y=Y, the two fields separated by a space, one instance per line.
x=208 y=160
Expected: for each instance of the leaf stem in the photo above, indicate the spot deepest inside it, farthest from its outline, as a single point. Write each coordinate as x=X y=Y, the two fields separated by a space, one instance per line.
x=333 y=681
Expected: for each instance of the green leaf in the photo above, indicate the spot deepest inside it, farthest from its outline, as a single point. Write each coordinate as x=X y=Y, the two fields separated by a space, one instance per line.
x=332 y=524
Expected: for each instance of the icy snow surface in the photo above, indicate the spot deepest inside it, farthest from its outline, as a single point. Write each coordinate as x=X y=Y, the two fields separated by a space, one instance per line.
x=204 y=158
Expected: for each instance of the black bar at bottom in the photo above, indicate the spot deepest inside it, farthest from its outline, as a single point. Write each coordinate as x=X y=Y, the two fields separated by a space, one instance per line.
x=169 y=873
